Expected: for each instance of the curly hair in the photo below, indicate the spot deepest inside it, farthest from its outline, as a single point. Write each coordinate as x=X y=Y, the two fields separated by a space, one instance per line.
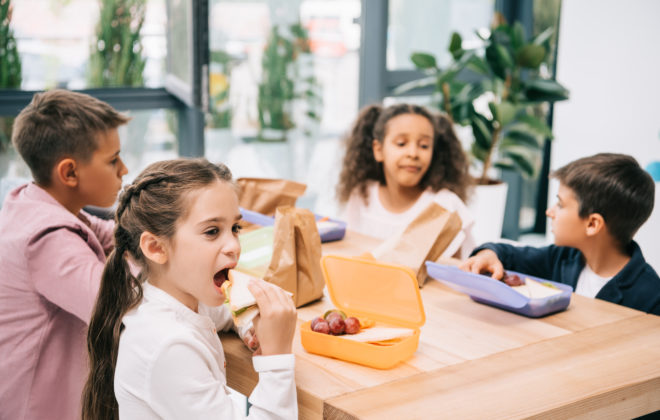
x=449 y=164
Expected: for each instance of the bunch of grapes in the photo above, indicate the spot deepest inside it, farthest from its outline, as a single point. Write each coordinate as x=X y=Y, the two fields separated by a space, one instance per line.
x=335 y=322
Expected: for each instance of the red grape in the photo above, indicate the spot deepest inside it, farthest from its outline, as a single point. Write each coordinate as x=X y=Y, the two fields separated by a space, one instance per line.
x=321 y=327
x=352 y=325
x=337 y=326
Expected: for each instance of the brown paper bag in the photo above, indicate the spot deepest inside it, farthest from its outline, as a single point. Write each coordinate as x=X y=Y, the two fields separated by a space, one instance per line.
x=264 y=195
x=296 y=262
x=425 y=238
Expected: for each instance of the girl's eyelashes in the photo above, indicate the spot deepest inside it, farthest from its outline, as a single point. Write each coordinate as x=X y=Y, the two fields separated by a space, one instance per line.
x=212 y=232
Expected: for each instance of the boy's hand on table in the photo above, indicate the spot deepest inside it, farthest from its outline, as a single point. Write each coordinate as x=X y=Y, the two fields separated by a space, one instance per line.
x=485 y=261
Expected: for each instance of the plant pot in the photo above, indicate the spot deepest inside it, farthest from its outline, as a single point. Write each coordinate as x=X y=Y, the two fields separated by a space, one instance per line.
x=272 y=135
x=218 y=142
x=261 y=160
x=487 y=205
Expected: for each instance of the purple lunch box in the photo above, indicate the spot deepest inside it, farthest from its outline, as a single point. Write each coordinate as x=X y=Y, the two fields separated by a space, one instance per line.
x=334 y=232
x=487 y=290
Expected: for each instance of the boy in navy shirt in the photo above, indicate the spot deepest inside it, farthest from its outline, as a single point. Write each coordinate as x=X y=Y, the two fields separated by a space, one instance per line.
x=602 y=201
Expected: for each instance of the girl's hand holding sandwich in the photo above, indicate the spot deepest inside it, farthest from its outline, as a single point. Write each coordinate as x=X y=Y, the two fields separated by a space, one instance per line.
x=276 y=323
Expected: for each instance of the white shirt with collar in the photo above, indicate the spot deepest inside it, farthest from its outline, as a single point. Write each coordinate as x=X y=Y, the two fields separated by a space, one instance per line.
x=171 y=365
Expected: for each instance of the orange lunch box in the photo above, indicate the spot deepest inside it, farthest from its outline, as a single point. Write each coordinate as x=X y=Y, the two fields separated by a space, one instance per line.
x=385 y=293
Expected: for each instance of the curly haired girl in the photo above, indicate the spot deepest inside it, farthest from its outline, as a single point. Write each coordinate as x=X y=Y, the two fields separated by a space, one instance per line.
x=398 y=160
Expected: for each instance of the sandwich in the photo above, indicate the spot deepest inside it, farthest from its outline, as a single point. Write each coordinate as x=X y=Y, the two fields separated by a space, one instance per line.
x=240 y=300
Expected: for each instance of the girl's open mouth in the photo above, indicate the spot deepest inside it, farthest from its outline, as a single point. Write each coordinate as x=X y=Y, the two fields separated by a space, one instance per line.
x=220 y=277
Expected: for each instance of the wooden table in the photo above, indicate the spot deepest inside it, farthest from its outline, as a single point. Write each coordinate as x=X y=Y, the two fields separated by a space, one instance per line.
x=594 y=360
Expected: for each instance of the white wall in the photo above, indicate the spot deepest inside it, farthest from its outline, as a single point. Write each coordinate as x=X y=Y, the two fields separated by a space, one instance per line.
x=609 y=58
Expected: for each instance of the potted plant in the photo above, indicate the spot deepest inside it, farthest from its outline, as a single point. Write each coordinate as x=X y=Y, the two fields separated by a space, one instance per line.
x=287 y=76
x=116 y=60
x=220 y=113
x=507 y=131
x=116 y=54
x=218 y=138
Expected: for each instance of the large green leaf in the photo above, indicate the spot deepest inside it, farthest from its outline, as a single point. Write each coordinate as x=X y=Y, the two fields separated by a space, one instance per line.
x=478 y=152
x=542 y=90
x=478 y=65
x=520 y=138
x=461 y=93
x=530 y=56
x=520 y=158
x=415 y=84
x=506 y=164
x=517 y=36
x=423 y=60
x=456 y=46
x=481 y=130
x=462 y=113
x=499 y=59
x=543 y=37
x=503 y=112
x=536 y=125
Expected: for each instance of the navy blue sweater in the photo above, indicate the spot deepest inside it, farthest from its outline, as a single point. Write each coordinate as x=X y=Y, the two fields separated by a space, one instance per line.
x=636 y=286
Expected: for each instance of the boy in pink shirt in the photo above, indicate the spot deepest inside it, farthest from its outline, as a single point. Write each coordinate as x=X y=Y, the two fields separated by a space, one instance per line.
x=52 y=252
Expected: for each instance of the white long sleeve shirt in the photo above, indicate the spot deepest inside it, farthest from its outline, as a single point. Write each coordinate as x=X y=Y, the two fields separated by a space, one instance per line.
x=373 y=219
x=171 y=365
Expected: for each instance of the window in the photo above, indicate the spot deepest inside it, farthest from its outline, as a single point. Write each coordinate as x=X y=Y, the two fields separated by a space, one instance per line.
x=59 y=43
x=283 y=71
x=425 y=25
x=58 y=47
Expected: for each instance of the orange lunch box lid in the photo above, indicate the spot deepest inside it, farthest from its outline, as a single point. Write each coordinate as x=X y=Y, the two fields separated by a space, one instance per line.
x=377 y=290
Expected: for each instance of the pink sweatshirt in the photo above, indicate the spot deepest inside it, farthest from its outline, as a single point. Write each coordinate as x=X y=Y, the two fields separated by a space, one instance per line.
x=50 y=270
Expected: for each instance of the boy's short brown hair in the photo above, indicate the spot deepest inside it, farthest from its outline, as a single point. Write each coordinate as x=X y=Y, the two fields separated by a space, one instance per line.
x=58 y=124
x=614 y=186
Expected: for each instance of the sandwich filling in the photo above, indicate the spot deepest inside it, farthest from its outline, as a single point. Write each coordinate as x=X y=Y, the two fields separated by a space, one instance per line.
x=220 y=278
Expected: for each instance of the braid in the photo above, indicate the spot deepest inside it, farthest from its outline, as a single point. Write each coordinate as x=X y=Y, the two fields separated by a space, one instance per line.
x=124 y=241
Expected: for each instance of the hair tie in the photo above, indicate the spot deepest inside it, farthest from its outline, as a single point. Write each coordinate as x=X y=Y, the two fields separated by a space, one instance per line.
x=123 y=240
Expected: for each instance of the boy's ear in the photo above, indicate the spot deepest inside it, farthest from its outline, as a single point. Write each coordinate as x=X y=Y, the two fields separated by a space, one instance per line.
x=377 y=147
x=595 y=224
x=66 y=171
x=153 y=248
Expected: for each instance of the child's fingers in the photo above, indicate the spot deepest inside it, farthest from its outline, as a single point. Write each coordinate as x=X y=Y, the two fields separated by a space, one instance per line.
x=270 y=297
x=258 y=288
x=497 y=270
x=465 y=265
x=476 y=267
x=283 y=297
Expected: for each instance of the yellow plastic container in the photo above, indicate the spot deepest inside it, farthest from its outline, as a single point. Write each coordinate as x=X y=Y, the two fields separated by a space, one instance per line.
x=385 y=293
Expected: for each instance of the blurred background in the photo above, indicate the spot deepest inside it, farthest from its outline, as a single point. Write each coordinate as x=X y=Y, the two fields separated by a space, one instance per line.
x=271 y=87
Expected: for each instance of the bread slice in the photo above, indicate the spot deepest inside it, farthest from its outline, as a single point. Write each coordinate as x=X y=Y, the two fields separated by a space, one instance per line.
x=241 y=302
